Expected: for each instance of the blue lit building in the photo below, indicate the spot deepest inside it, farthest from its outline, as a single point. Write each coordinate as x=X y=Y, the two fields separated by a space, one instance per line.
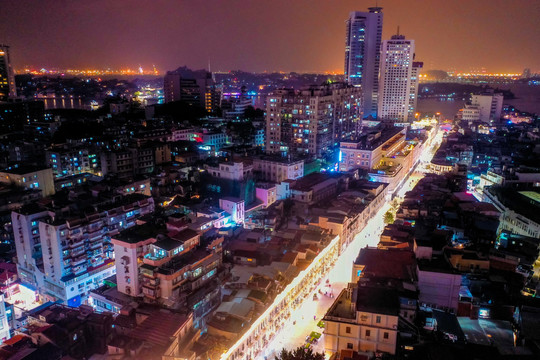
x=362 y=55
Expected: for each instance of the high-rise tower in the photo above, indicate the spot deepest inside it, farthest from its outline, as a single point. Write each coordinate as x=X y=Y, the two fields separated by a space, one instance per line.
x=362 y=54
x=397 y=55
x=7 y=79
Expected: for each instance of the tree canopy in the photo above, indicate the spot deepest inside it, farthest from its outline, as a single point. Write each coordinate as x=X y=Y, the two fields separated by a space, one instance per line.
x=300 y=353
x=389 y=217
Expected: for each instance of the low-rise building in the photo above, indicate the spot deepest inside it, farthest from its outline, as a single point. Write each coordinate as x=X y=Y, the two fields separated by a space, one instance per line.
x=314 y=188
x=439 y=283
x=367 y=151
x=29 y=177
x=66 y=161
x=266 y=193
x=363 y=318
x=235 y=207
x=519 y=209
x=275 y=169
x=237 y=171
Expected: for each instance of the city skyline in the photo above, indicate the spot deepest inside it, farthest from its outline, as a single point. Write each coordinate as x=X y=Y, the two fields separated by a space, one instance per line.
x=469 y=35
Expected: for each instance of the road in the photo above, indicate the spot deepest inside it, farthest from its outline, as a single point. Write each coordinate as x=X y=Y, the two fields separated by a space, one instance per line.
x=302 y=322
x=305 y=318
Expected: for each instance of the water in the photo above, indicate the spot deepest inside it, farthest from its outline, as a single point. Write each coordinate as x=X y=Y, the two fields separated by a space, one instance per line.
x=527 y=99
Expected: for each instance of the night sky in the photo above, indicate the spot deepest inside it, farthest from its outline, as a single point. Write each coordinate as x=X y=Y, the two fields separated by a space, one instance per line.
x=263 y=35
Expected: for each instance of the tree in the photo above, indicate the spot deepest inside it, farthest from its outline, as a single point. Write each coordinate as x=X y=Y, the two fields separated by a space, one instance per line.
x=300 y=353
x=389 y=217
x=251 y=113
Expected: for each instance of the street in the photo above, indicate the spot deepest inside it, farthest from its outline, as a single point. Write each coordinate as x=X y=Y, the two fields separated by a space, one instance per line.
x=306 y=317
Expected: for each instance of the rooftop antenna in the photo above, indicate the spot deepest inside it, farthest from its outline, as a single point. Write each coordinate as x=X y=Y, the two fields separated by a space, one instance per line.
x=398 y=30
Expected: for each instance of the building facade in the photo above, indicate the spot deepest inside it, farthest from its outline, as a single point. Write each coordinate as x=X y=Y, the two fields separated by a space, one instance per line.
x=191 y=87
x=362 y=319
x=65 y=258
x=5 y=333
x=7 y=77
x=278 y=170
x=362 y=55
x=311 y=121
x=237 y=171
x=489 y=106
x=29 y=177
x=367 y=151
x=413 y=93
x=66 y=162
x=397 y=55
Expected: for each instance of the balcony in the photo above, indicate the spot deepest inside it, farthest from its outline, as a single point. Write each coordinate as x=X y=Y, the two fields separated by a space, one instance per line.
x=78 y=252
x=145 y=271
x=78 y=261
x=76 y=242
x=151 y=283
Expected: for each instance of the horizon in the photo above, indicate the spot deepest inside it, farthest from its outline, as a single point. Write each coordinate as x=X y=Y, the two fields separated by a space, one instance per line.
x=278 y=35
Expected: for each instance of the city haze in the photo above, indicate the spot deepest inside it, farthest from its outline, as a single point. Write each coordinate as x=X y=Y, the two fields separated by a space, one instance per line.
x=278 y=35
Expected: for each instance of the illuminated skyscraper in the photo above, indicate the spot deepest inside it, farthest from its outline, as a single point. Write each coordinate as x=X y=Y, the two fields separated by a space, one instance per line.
x=362 y=55
x=7 y=79
x=397 y=55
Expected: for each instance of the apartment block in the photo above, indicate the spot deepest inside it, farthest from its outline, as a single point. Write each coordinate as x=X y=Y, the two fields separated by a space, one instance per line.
x=311 y=121
x=65 y=255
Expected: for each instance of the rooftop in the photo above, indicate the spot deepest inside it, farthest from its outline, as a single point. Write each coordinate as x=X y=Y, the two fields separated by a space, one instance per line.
x=439 y=265
x=166 y=243
x=159 y=327
x=23 y=169
x=179 y=262
x=374 y=139
x=522 y=202
x=387 y=263
x=184 y=235
x=140 y=233
x=307 y=182
x=377 y=300
x=341 y=308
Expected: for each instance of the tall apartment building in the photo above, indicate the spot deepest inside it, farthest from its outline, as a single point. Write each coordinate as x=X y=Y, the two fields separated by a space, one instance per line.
x=192 y=87
x=7 y=77
x=312 y=121
x=413 y=93
x=66 y=254
x=397 y=55
x=489 y=105
x=362 y=55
